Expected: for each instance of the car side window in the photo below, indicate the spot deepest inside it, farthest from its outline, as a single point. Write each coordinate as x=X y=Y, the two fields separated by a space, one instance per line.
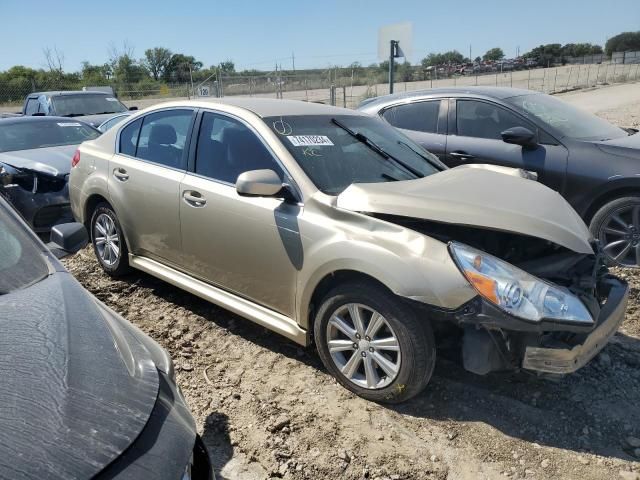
x=163 y=137
x=129 y=138
x=485 y=120
x=32 y=106
x=226 y=148
x=417 y=116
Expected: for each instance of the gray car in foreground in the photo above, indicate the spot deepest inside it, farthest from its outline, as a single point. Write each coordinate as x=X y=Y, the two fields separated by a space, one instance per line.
x=35 y=160
x=84 y=393
x=591 y=163
x=329 y=226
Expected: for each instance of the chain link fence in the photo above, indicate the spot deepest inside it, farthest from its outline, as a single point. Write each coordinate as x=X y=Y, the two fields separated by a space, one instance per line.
x=346 y=87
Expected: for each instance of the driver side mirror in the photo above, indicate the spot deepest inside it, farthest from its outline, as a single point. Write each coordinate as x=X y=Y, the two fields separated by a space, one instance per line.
x=67 y=239
x=520 y=136
x=262 y=183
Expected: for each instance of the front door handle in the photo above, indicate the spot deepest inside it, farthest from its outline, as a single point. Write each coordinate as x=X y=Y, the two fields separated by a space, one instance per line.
x=462 y=155
x=195 y=199
x=121 y=174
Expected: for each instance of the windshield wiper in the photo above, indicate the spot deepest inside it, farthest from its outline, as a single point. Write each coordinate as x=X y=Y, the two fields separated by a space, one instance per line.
x=436 y=162
x=377 y=148
x=103 y=113
x=73 y=115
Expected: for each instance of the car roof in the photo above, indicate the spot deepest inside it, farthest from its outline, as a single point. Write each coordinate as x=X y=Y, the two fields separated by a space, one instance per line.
x=57 y=93
x=268 y=107
x=38 y=118
x=499 y=93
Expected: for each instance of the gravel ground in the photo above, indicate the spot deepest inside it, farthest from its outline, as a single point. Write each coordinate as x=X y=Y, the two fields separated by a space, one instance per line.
x=267 y=408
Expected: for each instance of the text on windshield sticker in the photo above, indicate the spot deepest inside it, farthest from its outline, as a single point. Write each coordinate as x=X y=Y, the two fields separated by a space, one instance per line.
x=310 y=140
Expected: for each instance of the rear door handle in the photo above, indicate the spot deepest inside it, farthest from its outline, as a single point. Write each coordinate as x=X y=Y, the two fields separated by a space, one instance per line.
x=462 y=155
x=121 y=174
x=195 y=199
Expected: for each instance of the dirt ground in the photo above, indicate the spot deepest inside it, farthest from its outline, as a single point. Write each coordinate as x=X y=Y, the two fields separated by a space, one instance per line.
x=267 y=408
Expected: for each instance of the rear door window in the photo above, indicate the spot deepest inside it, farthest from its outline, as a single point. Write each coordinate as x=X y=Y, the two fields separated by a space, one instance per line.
x=163 y=137
x=129 y=138
x=417 y=116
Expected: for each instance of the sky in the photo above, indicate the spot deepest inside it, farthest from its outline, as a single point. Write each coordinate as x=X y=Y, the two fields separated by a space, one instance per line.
x=317 y=34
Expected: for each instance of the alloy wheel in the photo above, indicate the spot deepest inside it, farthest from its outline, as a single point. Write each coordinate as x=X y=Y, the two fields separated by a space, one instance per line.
x=619 y=236
x=106 y=239
x=363 y=346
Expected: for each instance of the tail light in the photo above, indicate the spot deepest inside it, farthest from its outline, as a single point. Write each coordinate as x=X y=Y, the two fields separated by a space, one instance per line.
x=76 y=159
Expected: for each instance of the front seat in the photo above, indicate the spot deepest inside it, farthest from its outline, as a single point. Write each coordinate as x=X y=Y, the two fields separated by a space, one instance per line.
x=161 y=145
x=486 y=125
x=244 y=152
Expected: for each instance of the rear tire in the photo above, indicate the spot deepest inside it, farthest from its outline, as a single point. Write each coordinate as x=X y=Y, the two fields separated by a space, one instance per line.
x=617 y=227
x=108 y=241
x=361 y=357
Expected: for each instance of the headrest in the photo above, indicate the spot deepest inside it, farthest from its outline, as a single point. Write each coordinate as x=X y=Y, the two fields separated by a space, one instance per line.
x=162 y=134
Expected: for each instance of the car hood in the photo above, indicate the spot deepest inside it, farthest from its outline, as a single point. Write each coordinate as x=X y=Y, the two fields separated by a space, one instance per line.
x=73 y=395
x=96 y=120
x=628 y=146
x=479 y=198
x=50 y=160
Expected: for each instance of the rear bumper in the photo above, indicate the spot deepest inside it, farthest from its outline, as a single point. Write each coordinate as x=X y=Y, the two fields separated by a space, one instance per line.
x=575 y=356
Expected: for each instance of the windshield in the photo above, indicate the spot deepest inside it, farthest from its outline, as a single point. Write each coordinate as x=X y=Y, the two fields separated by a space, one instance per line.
x=333 y=157
x=21 y=263
x=23 y=135
x=569 y=121
x=77 y=105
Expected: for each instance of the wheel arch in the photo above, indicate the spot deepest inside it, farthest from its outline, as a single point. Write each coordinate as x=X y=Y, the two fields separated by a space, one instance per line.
x=324 y=284
x=90 y=206
x=618 y=190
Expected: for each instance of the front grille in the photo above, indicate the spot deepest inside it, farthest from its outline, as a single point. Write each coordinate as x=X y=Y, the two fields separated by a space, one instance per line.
x=47 y=217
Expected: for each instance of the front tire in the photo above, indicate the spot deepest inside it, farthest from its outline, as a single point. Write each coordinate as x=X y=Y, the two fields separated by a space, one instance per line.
x=617 y=227
x=108 y=241
x=374 y=343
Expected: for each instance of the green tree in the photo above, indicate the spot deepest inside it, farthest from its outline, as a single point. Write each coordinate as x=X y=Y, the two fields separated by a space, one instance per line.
x=545 y=54
x=156 y=61
x=625 y=41
x=493 y=55
x=180 y=68
x=580 y=49
x=227 y=67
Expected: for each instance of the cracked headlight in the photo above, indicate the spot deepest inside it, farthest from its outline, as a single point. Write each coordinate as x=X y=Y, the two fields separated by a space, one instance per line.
x=514 y=290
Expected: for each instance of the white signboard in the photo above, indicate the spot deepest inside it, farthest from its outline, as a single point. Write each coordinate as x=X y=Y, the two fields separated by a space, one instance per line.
x=204 y=91
x=401 y=33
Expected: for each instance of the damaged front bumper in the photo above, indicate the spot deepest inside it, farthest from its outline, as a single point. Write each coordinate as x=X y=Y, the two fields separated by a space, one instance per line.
x=494 y=340
x=582 y=348
x=42 y=206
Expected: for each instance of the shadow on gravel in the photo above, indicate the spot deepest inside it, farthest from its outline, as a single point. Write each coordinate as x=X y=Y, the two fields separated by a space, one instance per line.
x=216 y=438
x=593 y=410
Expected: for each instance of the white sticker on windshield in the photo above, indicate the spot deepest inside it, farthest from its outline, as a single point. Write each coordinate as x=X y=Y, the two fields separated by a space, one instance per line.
x=69 y=124
x=111 y=99
x=310 y=140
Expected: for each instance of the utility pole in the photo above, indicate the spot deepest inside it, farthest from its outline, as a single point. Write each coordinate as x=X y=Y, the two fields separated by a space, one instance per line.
x=293 y=61
x=470 y=57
